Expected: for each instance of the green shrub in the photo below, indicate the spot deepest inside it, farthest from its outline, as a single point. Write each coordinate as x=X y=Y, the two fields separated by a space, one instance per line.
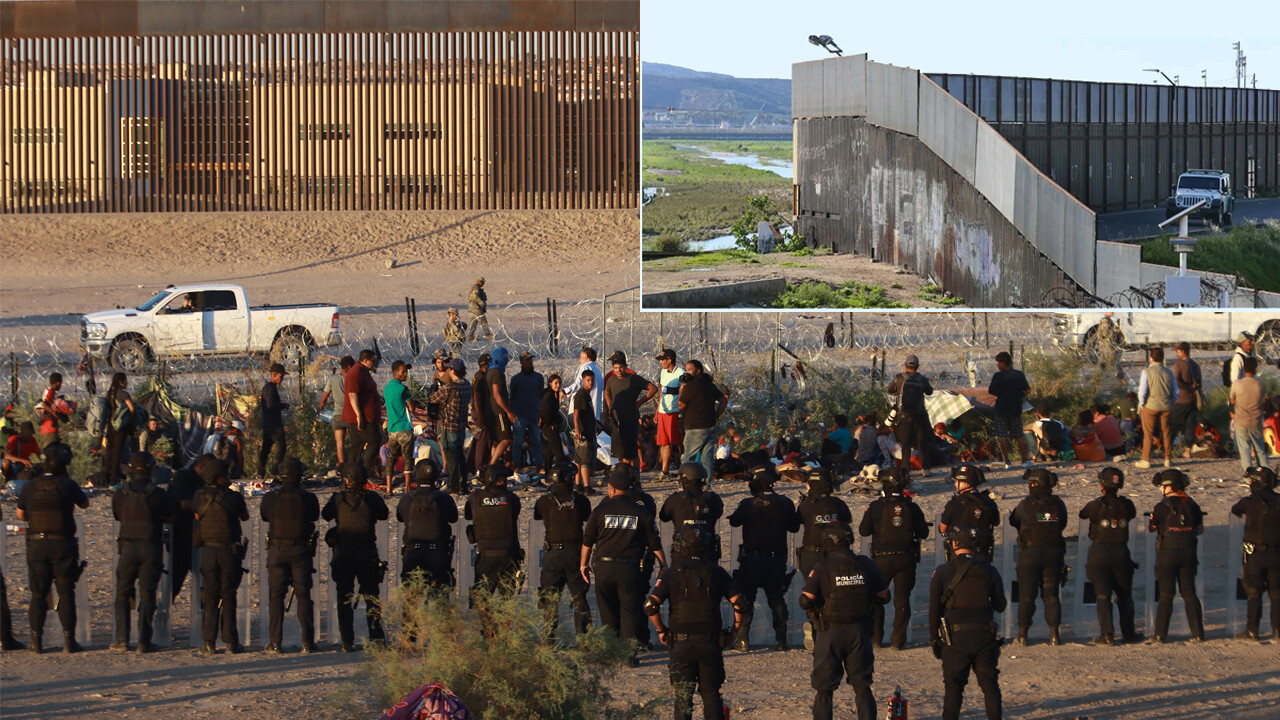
x=761 y=414
x=500 y=672
x=1067 y=384
x=1253 y=251
x=803 y=251
x=937 y=295
x=849 y=295
x=668 y=242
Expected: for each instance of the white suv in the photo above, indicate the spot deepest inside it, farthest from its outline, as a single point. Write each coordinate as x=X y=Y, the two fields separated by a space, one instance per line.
x=1196 y=185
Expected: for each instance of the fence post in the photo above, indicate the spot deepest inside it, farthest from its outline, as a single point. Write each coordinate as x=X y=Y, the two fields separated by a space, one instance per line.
x=986 y=329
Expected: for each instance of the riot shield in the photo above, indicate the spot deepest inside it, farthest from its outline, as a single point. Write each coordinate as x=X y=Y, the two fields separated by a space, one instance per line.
x=160 y=622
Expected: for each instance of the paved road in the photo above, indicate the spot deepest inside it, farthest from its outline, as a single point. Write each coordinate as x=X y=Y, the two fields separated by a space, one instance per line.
x=1141 y=224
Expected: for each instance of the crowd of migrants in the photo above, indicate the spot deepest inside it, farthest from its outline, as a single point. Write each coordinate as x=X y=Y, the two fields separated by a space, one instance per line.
x=518 y=421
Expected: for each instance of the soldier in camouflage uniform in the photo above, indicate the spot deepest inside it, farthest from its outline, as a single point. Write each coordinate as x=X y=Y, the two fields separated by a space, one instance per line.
x=478 y=302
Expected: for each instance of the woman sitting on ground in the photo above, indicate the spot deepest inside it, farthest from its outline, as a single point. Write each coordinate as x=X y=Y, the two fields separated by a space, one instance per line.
x=1108 y=429
x=1084 y=439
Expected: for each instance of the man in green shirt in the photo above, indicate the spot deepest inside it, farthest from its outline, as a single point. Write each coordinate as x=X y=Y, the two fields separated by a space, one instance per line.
x=399 y=429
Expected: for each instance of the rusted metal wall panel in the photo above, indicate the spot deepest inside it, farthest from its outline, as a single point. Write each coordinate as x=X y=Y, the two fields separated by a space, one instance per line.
x=886 y=195
x=91 y=18
x=318 y=121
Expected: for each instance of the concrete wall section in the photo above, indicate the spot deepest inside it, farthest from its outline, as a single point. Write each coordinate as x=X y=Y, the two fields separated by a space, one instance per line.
x=949 y=129
x=886 y=195
x=1117 y=267
x=807 y=88
x=893 y=97
x=996 y=161
x=1080 y=232
x=845 y=86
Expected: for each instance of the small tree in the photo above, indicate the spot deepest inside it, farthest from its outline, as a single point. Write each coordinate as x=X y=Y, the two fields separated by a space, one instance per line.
x=760 y=208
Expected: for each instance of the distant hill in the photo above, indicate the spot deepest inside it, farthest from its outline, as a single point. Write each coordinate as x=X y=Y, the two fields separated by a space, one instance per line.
x=669 y=86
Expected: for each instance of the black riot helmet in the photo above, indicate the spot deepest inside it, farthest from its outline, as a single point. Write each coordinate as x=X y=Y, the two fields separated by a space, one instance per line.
x=762 y=479
x=821 y=481
x=1111 y=478
x=894 y=480
x=836 y=537
x=426 y=473
x=970 y=474
x=1172 y=477
x=141 y=464
x=353 y=474
x=563 y=474
x=55 y=458
x=693 y=477
x=1040 y=480
x=292 y=470
x=1261 y=477
x=497 y=474
x=963 y=536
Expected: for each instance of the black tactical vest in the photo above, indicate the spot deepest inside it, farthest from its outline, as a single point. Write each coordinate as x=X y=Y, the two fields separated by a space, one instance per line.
x=1043 y=526
x=1266 y=530
x=695 y=609
x=1178 y=530
x=1110 y=522
x=563 y=526
x=979 y=514
x=215 y=521
x=972 y=593
x=136 y=522
x=826 y=513
x=493 y=517
x=44 y=508
x=846 y=597
x=689 y=510
x=287 y=521
x=894 y=532
x=355 y=519
x=766 y=527
x=422 y=523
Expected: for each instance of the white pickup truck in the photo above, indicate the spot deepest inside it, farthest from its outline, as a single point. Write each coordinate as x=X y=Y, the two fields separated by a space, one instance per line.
x=203 y=320
x=1081 y=331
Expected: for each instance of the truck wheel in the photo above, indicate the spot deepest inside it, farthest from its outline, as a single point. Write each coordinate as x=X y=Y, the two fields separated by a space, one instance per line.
x=128 y=356
x=1218 y=218
x=1227 y=219
x=289 y=350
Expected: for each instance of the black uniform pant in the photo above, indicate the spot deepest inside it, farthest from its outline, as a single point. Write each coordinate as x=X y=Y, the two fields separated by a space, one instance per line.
x=843 y=650
x=180 y=556
x=768 y=573
x=644 y=581
x=364 y=446
x=220 y=574
x=116 y=442
x=552 y=449
x=697 y=666
x=52 y=563
x=436 y=565
x=1110 y=569
x=1262 y=574
x=560 y=569
x=1040 y=571
x=290 y=565
x=1176 y=569
x=979 y=651
x=271 y=438
x=361 y=563
x=618 y=596
x=899 y=569
x=497 y=570
x=140 y=563
x=912 y=433
x=806 y=559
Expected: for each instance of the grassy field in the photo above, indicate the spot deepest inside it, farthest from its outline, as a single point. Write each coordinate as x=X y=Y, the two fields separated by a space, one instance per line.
x=1251 y=250
x=852 y=294
x=706 y=196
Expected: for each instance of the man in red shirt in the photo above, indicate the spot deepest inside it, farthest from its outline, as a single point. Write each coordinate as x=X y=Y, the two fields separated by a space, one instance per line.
x=48 y=416
x=362 y=410
x=19 y=451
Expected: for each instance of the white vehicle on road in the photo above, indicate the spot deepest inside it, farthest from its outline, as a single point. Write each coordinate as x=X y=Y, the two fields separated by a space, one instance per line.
x=1085 y=331
x=205 y=320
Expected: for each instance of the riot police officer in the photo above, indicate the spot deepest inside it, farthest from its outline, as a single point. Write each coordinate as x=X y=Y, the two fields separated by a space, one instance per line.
x=494 y=511
x=53 y=554
x=1261 y=571
x=693 y=505
x=618 y=534
x=141 y=508
x=1040 y=519
x=291 y=514
x=1110 y=567
x=354 y=540
x=563 y=512
x=964 y=596
x=695 y=586
x=1179 y=522
x=818 y=509
x=972 y=507
x=182 y=492
x=765 y=518
x=638 y=495
x=428 y=514
x=219 y=510
x=842 y=591
x=896 y=525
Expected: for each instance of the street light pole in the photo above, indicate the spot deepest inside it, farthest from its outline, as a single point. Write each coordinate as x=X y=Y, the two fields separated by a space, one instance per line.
x=1166 y=77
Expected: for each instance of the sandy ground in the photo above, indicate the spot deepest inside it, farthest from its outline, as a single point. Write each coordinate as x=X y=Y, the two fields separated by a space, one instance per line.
x=667 y=274
x=1221 y=678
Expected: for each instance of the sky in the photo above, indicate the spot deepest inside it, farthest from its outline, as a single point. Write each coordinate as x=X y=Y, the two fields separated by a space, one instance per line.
x=1080 y=40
